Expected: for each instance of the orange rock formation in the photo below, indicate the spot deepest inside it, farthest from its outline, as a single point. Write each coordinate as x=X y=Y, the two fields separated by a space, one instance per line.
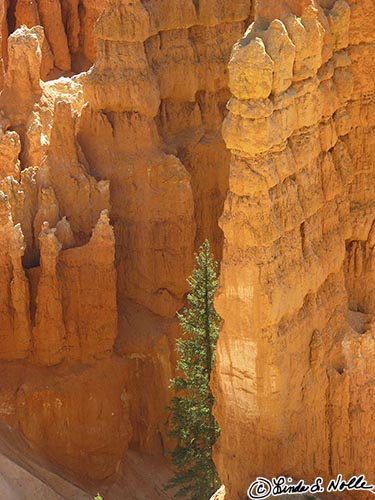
x=69 y=44
x=58 y=287
x=111 y=177
x=294 y=372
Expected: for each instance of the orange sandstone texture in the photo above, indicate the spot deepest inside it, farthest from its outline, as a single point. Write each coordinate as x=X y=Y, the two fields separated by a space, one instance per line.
x=109 y=181
x=294 y=374
x=58 y=301
x=155 y=103
x=69 y=45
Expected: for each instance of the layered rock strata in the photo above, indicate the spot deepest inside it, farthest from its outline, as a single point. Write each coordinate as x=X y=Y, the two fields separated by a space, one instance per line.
x=69 y=45
x=294 y=372
x=58 y=284
x=155 y=103
x=110 y=180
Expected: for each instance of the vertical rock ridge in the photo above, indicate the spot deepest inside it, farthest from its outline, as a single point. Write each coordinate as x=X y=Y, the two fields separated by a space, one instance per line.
x=48 y=348
x=289 y=354
x=69 y=46
x=58 y=283
x=111 y=178
x=152 y=206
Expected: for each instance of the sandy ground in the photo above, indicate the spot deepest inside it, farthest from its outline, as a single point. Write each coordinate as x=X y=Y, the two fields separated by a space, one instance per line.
x=23 y=476
x=26 y=476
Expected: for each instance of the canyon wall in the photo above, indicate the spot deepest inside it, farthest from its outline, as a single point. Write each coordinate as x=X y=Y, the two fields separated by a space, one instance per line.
x=110 y=179
x=69 y=45
x=294 y=377
x=61 y=385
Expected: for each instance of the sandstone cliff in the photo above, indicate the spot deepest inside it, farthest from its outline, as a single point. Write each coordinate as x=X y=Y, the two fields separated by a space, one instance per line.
x=69 y=45
x=109 y=180
x=294 y=372
x=58 y=287
x=111 y=177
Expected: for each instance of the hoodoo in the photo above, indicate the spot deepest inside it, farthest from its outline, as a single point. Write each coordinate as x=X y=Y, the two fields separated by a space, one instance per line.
x=130 y=132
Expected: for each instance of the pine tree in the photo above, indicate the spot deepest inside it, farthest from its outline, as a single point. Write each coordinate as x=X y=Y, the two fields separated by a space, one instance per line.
x=192 y=424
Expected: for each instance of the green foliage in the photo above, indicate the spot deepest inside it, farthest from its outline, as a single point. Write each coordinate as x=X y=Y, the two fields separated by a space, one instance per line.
x=98 y=497
x=192 y=423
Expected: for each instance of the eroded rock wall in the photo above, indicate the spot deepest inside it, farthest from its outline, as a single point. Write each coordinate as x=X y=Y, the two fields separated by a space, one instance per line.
x=155 y=103
x=58 y=283
x=296 y=347
x=111 y=178
x=69 y=45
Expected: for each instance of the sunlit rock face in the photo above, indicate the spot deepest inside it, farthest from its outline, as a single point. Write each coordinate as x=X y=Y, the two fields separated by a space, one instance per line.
x=58 y=303
x=155 y=102
x=110 y=179
x=69 y=45
x=294 y=371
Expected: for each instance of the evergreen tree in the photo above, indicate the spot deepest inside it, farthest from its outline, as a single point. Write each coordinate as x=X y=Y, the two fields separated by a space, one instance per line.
x=192 y=424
